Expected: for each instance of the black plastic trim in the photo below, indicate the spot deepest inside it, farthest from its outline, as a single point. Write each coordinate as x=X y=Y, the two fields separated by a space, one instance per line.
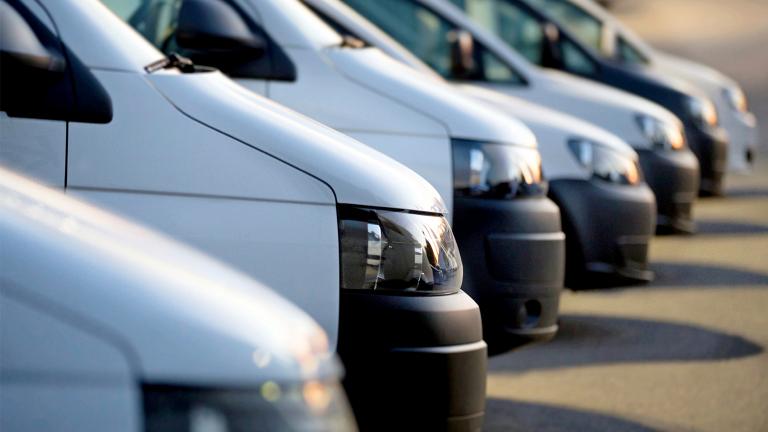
x=711 y=148
x=273 y=64
x=608 y=229
x=421 y=358
x=674 y=178
x=73 y=94
x=514 y=263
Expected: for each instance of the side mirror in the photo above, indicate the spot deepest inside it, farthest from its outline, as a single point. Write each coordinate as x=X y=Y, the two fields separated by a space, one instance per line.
x=33 y=81
x=211 y=32
x=551 y=55
x=21 y=52
x=462 y=54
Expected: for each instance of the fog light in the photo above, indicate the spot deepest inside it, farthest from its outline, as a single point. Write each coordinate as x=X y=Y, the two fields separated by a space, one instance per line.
x=528 y=314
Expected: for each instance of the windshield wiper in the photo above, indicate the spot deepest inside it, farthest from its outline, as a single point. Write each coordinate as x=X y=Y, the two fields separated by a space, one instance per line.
x=348 y=41
x=172 y=61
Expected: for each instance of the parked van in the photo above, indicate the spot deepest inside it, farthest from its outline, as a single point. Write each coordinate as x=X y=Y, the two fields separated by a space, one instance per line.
x=354 y=238
x=543 y=41
x=574 y=181
x=602 y=32
x=108 y=326
x=670 y=167
x=484 y=164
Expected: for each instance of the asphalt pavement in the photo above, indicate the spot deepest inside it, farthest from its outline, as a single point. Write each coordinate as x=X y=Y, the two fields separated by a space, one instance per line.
x=687 y=352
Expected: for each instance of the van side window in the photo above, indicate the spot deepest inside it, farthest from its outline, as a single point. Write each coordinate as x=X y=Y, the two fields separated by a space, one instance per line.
x=419 y=30
x=586 y=28
x=428 y=36
x=575 y=61
x=627 y=53
x=515 y=25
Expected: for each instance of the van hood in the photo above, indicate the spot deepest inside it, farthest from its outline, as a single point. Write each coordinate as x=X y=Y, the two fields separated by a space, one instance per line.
x=356 y=173
x=461 y=116
x=587 y=90
x=176 y=315
x=538 y=117
x=669 y=64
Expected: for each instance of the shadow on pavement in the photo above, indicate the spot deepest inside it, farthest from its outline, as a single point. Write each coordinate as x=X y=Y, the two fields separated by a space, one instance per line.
x=746 y=192
x=511 y=416
x=588 y=340
x=708 y=227
x=700 y=275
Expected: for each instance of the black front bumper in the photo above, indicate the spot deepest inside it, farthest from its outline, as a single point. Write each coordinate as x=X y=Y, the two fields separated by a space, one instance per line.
x=674 y=178
x=413 y=362
x=514 y=263
x=608 y=228
x=711 y=148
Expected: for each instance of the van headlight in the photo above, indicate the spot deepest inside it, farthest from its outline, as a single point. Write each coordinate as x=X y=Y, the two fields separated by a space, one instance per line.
x=604 y=163
x=736 y=98
x=397 y=252
x=311 y=405
x=496 y=171
x=661 y=135
x=703 y=112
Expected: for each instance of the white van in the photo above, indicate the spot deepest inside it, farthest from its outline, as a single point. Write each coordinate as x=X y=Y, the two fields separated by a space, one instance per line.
x=670 y=167
x=484 y=164
x=592 y=174
x=611 y=38
x=354 y=238
x=107 y=326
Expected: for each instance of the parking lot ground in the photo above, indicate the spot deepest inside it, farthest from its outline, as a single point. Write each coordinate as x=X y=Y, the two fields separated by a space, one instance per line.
x=684 y=353
x=688 y=352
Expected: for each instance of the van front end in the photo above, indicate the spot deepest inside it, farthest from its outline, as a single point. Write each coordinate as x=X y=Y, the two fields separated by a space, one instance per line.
x=609 y=218
x=511 y=241
x=410 y=339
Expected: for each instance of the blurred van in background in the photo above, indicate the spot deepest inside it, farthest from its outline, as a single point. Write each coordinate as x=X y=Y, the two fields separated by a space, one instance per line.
x=526 y=26
x=599 y=30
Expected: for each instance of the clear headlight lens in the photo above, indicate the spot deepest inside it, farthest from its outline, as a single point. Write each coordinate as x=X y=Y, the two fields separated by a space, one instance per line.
x=310 y=406
x=703 y=112
x=496 y=171
x=662 y=135
x=397 y=252
x=605 y=164
x=737 y=99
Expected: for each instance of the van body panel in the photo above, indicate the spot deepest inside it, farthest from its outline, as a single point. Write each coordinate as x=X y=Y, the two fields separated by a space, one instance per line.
x=290 y=23
x=367 y=178
x=323 y=93
x=417 y=153
x=138 y=151
x=462 y=117
x=267 y=240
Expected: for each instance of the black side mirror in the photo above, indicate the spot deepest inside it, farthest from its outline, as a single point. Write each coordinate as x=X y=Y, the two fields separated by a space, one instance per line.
x=212 y=32
x=29 y=71
x=462 y=54
x=551 y=55
x=38 y=74
x=21 y=52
